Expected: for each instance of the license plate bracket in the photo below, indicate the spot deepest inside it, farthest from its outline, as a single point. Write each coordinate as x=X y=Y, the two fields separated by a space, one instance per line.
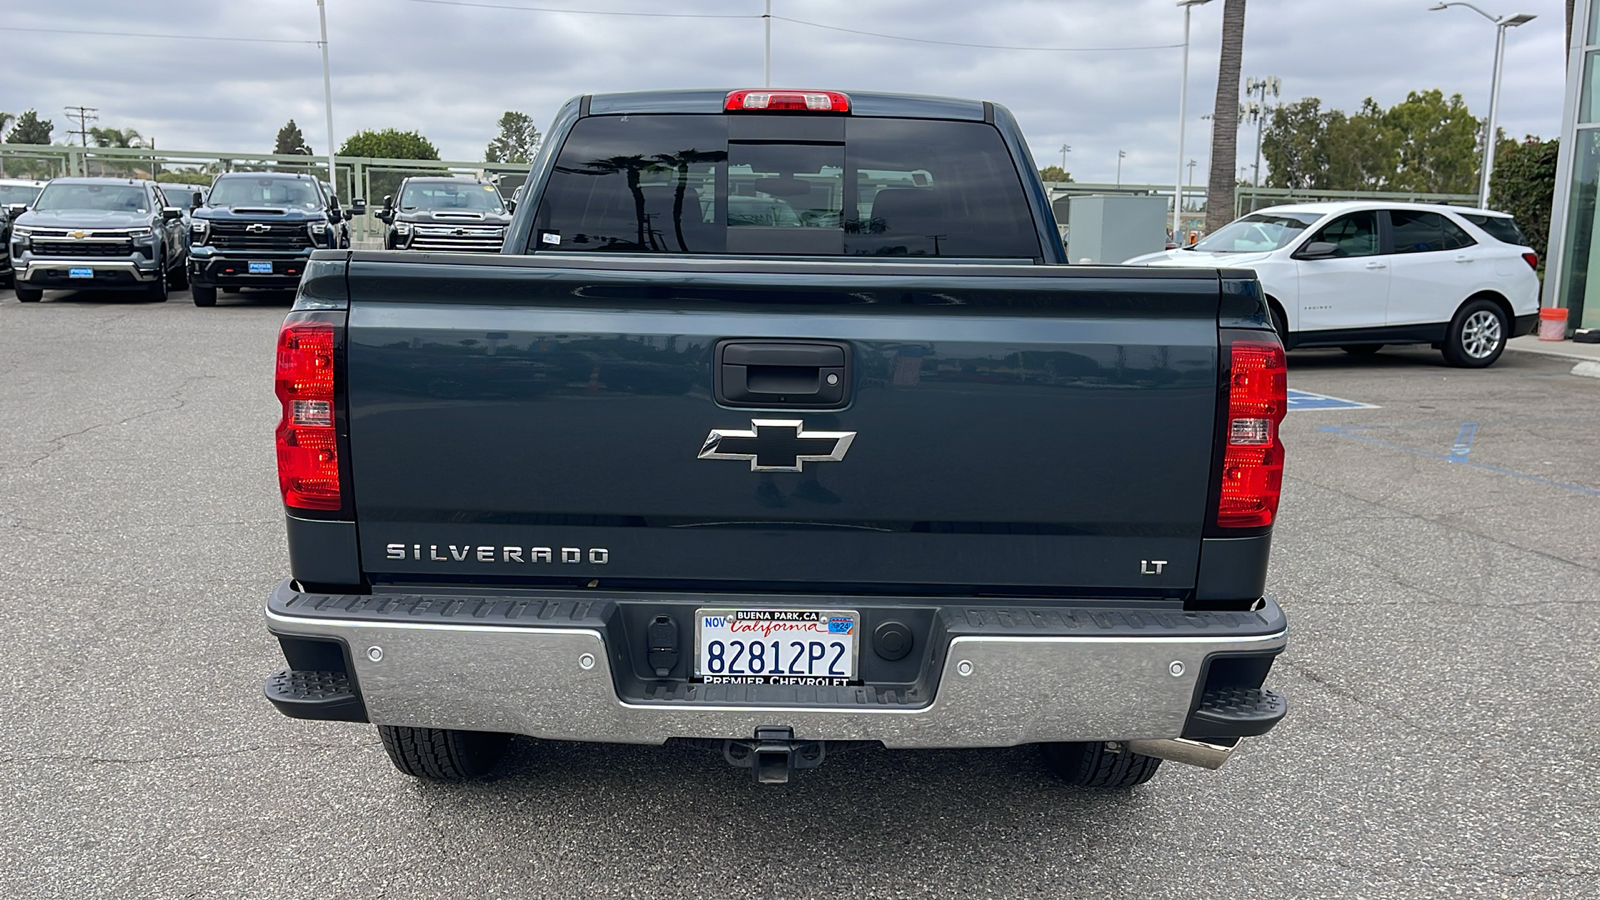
x=777 y=646
x=80 y=272
x=261 y=268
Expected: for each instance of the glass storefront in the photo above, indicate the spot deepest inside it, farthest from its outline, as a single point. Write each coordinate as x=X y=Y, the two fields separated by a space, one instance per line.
x=1577 y=238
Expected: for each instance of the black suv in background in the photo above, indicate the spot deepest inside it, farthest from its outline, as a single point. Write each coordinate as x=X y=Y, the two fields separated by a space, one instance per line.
x=258 y=228
x=98 y=234
x=443 y=213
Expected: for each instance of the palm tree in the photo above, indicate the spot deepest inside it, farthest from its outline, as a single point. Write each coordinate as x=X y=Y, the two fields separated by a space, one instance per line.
x=680 y=162
x=1225 y=119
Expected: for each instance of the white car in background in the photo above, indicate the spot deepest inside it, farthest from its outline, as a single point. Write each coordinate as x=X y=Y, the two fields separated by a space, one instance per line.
x=1359 y=275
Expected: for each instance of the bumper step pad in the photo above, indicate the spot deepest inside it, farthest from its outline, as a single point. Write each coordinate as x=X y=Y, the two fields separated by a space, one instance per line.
x=316 y=695
x=1236 y=712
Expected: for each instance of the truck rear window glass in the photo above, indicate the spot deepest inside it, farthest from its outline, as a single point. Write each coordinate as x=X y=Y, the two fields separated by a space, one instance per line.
x=682 y=184
x=1501 y=228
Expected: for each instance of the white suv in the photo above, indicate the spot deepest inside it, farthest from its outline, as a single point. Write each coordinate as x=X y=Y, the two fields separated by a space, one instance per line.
x=1359 y=275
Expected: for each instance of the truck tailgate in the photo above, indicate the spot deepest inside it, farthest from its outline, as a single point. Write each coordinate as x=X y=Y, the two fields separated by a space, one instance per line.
x=1016 y=429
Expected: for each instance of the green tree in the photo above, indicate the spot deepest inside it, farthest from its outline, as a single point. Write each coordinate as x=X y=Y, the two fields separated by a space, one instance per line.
x=291 y=141
x=1225 y=119
x=1054 y=173
x=1436 y=143
x=30 y=129
x=1363 y=153
x=1294 y=146
x=1524 y=184
x=389 y=144
x=517 y=141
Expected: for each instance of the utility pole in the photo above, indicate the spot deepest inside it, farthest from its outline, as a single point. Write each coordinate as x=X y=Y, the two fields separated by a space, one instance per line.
x=327 y=95
x=1257 y=109
x=84 y=115
x=1183 y=112
x=766 y=56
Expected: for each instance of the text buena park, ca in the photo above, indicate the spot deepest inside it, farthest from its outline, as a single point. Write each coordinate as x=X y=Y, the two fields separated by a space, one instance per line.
x=486 y=553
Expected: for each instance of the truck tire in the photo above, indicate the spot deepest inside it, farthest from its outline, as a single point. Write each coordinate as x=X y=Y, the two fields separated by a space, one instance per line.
x=1477 y=335
x=159 y=290
x=204 y=296
x=29 y=295
x=442 y=754
x=1094 y=765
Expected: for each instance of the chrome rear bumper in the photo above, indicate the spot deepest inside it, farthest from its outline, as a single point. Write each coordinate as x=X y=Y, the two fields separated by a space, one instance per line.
x=993 y=691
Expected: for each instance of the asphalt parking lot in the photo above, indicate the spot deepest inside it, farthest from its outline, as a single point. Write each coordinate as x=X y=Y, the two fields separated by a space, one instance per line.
x=1443 y=585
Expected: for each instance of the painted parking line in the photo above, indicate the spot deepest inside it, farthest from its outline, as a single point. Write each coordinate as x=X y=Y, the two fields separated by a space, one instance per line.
x=1308 y=400
x=1359 y=433
x=1463 y=444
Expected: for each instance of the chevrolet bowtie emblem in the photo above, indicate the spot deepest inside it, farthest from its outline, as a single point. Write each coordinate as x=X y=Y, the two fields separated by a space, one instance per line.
x=777 y=445
x=77 y=235
x=258 y=228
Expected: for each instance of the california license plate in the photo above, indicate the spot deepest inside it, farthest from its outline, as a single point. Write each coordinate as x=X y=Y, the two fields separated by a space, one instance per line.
x=261 y=268
x=76 y=272
x=776 y=646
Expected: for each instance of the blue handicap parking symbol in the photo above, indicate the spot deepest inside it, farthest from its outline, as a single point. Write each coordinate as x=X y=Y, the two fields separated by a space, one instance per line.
x=1308 y=400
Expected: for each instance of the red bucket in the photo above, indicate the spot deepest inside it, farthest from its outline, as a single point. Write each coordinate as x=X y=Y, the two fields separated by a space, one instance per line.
x=1553 y=323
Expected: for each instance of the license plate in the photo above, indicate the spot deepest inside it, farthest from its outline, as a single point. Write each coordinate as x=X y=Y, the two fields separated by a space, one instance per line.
x=80 y=273
x=259 y=268
x=776 y=646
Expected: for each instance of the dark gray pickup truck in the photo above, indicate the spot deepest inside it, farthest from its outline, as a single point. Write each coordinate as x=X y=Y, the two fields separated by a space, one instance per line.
x=780 y=427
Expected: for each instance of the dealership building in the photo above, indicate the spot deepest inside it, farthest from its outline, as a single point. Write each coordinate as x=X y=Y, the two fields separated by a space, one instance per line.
x=1575 y=219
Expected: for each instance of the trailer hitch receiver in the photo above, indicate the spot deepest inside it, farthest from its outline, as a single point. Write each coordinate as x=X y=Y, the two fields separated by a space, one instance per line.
x=774 y=755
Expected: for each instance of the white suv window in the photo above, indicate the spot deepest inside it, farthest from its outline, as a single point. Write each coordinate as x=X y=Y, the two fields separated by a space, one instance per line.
x=1355 y=234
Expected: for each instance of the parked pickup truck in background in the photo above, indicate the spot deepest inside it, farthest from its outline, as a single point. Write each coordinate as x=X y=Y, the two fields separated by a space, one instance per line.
x=445 y=214
x=258 y=230
x=780 y=426
x=103 y=234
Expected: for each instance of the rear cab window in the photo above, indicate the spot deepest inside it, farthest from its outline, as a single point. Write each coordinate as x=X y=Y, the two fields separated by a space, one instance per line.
x=785 y=185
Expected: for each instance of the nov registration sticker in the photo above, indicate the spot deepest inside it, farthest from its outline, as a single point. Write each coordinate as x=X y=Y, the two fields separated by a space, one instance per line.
x=776 y=646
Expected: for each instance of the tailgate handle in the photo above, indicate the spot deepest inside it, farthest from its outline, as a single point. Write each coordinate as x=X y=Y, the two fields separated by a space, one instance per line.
x=805 y=374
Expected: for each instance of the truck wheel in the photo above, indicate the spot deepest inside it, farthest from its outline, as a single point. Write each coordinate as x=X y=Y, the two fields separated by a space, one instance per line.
x=29 y=295
x=1093 y=765
x=1477 y=335
x=442 y=754
x=158 y=289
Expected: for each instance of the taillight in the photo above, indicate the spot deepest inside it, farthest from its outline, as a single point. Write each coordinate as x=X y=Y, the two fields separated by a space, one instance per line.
x=1532 y=259
x=308 y=456
x=786 y=101
x=1252 y=461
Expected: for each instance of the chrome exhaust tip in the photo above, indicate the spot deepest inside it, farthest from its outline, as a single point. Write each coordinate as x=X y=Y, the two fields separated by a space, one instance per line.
x=1205 y=754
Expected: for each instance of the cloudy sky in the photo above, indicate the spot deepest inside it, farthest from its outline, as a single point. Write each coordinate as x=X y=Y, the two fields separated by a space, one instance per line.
x=449 y=68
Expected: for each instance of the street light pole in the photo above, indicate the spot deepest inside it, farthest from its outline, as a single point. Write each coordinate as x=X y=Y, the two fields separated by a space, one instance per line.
x=1120 y=155
x=1065 y=149
x=1501 y=23
x=1183 y=103
x=766 y=56
x=327 y=93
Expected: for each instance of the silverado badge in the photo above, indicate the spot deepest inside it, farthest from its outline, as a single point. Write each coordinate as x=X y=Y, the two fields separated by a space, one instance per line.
x=777 y=445
x=77 y=235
